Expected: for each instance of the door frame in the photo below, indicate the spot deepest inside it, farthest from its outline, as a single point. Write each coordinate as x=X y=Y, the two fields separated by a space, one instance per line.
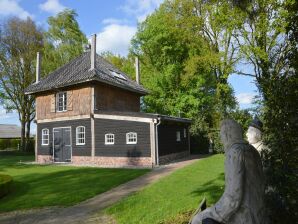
x=70 y=144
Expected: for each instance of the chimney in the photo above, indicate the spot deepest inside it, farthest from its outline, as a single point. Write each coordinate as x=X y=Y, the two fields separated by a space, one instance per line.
x=93 y=52
x=38 y=63
x=137 y=64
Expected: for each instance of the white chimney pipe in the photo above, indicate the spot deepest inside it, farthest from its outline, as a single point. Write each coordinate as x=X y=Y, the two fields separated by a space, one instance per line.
x=137 y=64
x=93 y=52
x=38 y=63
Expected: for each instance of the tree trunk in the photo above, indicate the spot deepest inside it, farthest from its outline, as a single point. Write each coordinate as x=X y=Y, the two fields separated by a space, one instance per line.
x=28 y=124
x=23 y=140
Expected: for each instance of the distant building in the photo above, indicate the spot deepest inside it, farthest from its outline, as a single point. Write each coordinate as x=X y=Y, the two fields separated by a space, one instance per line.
x=10 y=131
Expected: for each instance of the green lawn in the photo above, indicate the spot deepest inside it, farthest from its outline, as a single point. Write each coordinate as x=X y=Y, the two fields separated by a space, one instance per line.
x=173 y=196
x=50 y=185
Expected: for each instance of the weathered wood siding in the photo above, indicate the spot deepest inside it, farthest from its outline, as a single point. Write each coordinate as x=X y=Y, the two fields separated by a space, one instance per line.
x=167 y=143
x=77 y=150
x=78 y=103
x=119 y=129
x=115 y=99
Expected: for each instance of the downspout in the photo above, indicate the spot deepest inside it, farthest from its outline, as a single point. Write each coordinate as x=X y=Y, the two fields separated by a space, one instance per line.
x=156 y=141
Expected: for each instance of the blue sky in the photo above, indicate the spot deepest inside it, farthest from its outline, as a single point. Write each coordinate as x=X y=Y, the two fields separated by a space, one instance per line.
x=114 y=22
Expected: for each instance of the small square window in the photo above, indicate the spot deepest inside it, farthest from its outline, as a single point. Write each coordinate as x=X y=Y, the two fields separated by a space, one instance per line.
x=109 y=139
x=131 y=138
x=178 y=137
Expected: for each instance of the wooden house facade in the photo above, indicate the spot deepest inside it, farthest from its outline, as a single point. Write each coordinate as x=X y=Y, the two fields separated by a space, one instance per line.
x=88 y=112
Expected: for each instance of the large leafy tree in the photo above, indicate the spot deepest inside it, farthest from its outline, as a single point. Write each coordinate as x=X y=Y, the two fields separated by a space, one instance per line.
x=63 y=41
x=19 y=42
x=173 y=55
x=268 y=44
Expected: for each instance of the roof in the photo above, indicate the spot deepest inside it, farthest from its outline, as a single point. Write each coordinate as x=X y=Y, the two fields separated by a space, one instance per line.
x=10 y=131
x=78 y=71
x=145 y=115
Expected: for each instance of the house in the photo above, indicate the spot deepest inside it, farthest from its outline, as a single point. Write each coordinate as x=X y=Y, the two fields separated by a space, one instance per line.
x=10 y=131
x=88 y=112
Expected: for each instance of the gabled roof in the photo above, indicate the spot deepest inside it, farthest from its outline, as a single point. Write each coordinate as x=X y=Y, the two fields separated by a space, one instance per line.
x=10 y=131
x=78 y=71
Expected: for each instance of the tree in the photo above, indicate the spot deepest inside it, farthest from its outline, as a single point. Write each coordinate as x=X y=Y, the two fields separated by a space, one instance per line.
x=19 y=42
x=63 y=41
x=267 y=40
x=173 y=65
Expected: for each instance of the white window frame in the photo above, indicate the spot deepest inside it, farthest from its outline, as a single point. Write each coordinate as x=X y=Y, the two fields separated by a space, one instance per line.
x=78 y=138
x=184 y=133
x=63 y=97
x=45 y=137
x=131 y=138
x=178 y=136
x=108 y=137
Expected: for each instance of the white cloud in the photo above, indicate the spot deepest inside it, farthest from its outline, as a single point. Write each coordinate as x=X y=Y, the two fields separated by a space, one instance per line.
x=114 y=21
x=4 y=114
x=52 y=6
x=245 y=98
x=12 y=8
x=115 y=38
x=140 y=8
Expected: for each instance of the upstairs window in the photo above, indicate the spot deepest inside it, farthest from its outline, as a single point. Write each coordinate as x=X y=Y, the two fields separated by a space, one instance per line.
x=80 y=135
x=178 y=137
x=109 y=139
x=45 y=136
x=131 y=138
x=61 y=101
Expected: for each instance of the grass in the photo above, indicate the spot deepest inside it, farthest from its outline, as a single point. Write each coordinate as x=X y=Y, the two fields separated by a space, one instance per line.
x=174 y=196
x=36 y=186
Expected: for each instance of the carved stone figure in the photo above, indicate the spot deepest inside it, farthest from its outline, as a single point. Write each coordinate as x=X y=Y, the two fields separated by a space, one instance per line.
x=254 y=134
x=243 y=199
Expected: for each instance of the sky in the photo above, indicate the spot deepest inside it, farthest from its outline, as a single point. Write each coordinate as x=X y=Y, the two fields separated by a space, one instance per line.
x=114 y=22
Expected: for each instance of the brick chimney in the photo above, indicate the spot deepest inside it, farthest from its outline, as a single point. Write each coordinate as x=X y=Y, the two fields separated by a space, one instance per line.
x=38 y=64
x=93 y=52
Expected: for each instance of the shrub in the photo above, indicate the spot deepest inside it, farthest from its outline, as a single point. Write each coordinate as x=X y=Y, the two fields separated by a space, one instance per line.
x=5 y=184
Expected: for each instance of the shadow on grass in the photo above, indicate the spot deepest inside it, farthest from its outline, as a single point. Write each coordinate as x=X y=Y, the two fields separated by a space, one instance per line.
x=63 y=187
x=212 y=189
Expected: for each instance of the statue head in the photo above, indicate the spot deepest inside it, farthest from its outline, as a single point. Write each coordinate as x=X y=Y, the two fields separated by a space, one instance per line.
x=254 y=132
x=230 y=132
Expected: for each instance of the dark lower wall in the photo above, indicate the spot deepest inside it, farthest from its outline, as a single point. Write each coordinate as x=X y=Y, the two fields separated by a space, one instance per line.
x=77 y=150
x=119 y=129
x=167 y=143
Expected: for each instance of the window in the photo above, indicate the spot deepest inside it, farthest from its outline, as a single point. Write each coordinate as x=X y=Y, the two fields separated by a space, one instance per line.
x=45 y=136
x=131 y=138
x=109 y=139
x=61 y=101
x=117 y=75
x=178 y=137
x=184 y=133
x=80 y=135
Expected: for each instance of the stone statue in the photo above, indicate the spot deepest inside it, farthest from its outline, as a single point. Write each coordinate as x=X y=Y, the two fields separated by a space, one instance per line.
x=243 y=199
x=254 y=134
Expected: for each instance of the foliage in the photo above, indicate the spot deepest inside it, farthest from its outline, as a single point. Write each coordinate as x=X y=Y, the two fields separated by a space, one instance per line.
x=175 y=195
x=19 y=42
x=267 y=42
x=280 y=135
x=63 y=41
x=38 y=186
x=5 y=184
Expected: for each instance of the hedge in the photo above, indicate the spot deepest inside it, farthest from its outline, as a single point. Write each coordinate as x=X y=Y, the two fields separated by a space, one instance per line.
x=15 y=143
x=5 y=184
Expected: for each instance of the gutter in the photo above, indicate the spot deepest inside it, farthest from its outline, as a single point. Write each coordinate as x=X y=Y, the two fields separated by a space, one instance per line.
x=156 y=141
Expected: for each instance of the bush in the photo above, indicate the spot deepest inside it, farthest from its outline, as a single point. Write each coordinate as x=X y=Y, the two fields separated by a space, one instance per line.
x=5 y=184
